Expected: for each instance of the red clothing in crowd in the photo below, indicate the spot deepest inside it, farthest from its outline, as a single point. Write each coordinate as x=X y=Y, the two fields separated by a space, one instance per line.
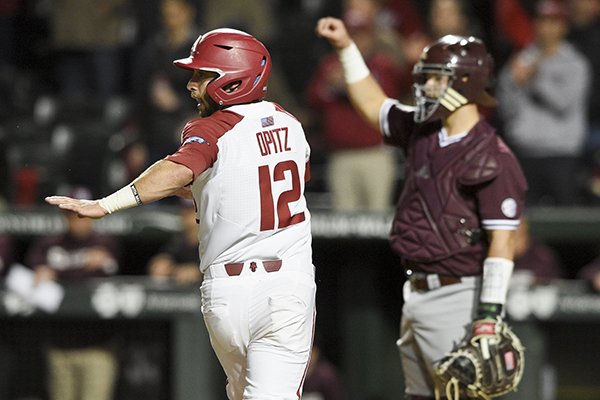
x=342 y=126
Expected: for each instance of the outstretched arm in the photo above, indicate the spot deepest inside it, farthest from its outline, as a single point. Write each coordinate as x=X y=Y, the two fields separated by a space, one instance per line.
x=366 y=94
x=163 y=178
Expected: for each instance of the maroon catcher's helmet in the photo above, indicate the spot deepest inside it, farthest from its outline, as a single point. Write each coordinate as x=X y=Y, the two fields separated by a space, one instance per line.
x=469 y=66
x=242 y=63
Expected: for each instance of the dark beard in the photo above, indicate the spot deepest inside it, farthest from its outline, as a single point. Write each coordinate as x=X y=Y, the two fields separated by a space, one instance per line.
x=211 y=107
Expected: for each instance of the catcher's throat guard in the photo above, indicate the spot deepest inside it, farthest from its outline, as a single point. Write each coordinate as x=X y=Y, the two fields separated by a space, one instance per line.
x=482 y=367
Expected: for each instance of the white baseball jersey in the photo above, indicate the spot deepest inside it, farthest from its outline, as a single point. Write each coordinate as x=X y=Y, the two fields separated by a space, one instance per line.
x=250 y=164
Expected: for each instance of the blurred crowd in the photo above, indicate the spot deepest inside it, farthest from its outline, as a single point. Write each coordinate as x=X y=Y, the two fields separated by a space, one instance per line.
x=89 y=96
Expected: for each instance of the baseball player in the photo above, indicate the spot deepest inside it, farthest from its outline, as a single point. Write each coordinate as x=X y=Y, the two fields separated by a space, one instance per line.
x=455 y=221
x=245 y=163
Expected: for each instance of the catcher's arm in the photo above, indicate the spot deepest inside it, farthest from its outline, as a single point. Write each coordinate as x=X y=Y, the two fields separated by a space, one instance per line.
x=364 y=91
x=497 y=270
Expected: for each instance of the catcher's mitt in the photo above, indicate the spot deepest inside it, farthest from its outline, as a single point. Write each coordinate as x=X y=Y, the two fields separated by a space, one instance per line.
x=483 y=366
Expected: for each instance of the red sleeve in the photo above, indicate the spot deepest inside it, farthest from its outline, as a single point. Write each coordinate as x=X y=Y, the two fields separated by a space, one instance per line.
x=320 y=89
x=198 y=150
x=386 y=73
x=514 y=22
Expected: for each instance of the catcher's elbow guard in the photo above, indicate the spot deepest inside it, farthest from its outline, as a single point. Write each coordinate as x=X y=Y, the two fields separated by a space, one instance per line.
x=486 y=368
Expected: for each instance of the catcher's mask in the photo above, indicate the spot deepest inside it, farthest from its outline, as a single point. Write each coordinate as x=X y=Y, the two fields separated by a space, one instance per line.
x=469 y=68
x=241 y=62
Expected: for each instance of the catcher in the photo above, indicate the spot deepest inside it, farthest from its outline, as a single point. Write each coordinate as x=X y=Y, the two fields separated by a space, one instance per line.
x=455 y=222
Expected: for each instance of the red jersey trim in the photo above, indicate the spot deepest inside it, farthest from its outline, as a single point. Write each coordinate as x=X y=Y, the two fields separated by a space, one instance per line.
x=199 y=150
x=281 y=109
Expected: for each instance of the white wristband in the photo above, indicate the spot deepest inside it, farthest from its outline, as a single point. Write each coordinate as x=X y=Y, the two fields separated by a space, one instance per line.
x=496 y=278
x=123 y=198
x=355 y=68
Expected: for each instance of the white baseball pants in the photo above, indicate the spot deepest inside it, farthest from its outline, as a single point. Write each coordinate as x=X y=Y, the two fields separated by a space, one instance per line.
x=261 y=327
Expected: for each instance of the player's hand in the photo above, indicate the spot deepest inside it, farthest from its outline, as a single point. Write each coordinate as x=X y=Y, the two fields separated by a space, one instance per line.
x=488 y=317
x=523 y=70
x=334 y=30
x=485 y=328
x=83 y=208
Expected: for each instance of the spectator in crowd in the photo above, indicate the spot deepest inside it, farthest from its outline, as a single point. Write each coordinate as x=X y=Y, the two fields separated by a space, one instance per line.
x=82 y=363
x=542 y=95
x=361 y=171
x=258 y=17
x=161 y=109
x=178 y=259
x=451 y=17
x=535 y=260
x=404 y=15
x=323 y=379
x=584 y=33
x=87 y=38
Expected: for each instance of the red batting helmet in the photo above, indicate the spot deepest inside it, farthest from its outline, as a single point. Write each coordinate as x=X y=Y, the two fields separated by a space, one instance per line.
x=469 y=66
x=242 y=63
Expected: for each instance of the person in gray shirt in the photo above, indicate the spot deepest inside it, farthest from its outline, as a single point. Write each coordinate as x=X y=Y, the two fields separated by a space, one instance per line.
x=543 y=95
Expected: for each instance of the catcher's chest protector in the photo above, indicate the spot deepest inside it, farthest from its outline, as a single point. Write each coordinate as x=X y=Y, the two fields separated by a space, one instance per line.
x=436 y=217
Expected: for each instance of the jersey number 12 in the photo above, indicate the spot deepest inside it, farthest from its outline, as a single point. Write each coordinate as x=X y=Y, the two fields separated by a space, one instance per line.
x=267 y=206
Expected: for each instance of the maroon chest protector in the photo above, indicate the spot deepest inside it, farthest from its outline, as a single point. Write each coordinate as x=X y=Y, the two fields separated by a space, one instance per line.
x=436 y=215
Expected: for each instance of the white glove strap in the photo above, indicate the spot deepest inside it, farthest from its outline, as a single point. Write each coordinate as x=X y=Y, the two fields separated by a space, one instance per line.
x=496 y=278
x=355 y=68
x=123 y=198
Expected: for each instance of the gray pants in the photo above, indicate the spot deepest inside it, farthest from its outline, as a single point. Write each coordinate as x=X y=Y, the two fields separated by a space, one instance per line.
x=433 y=323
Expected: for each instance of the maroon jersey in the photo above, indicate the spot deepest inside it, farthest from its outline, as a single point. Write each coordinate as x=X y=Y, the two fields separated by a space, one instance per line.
x=456 y=188
x=69 y=256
